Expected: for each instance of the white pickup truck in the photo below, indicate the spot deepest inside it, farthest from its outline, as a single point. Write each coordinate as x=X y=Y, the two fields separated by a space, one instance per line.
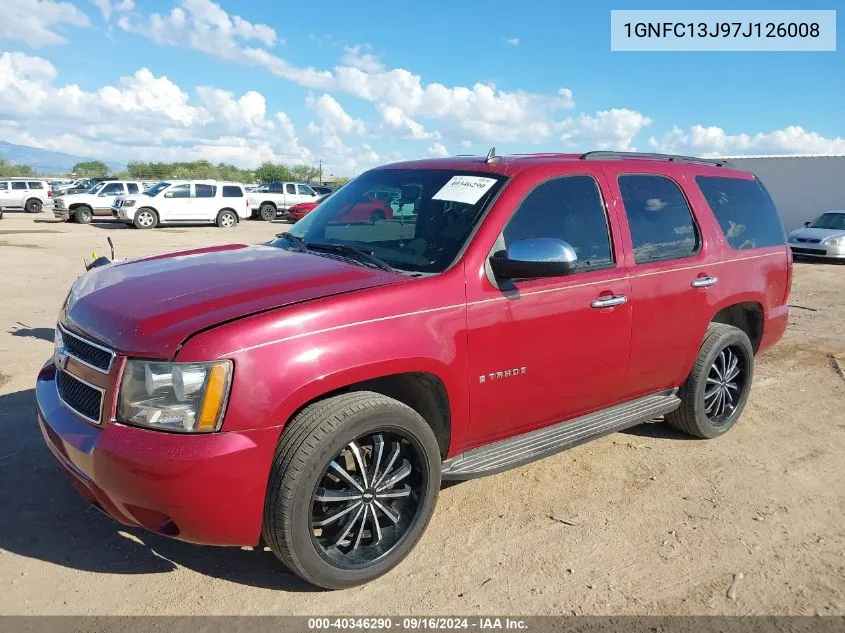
x=269 y=201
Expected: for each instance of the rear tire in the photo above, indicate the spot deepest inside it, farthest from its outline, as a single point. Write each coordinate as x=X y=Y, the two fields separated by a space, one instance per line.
x=33 y=205
x=383 y=520
x=145 y=218
x=83 y=214
x=714 y=394
x=267 y=212
x=226 y=219
x=377 y=216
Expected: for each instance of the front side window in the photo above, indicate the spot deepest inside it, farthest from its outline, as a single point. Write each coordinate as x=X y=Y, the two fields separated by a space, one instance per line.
x=179 y=191
x=113 y=189
x=290 y=188
x=659 y=218
x=744 y=210
x=18 y=185
x=231 y=191
x=204 y=191
x=36 y=185
x=446 y=204
x=834 y=221
x=4 y=186
x=567 y=208
x=304 y=190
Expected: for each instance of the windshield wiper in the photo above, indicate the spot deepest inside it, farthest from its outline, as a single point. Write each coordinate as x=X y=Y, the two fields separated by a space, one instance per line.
x=355 y=252
x=295 y=240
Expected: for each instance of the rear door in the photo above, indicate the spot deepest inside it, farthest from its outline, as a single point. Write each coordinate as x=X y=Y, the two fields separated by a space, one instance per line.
x=204 y=204
x=290 y=197
x=672 y=268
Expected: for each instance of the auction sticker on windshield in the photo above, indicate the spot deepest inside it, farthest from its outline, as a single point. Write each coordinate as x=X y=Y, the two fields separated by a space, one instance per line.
x=466 y=189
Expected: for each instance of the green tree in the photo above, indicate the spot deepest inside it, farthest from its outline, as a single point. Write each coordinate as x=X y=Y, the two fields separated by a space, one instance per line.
x=304 y=173
x=8 y=169
x=91 y=169
x=271 y=172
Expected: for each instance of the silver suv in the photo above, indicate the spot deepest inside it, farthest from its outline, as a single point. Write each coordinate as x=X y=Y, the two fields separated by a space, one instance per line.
x=98 y=200
x=29 y=194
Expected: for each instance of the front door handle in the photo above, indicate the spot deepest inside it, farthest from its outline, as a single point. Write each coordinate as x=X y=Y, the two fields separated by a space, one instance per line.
x=704 y=282
x=609 y=302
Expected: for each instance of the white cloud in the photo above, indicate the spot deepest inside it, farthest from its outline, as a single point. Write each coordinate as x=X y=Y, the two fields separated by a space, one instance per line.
x=358 y=57
x=437 y=150
x=39 y=23
x=107 y=7
x=334 y=117
x=397 y=124
x=613 y=129
x=513 y=41
x=714 y=141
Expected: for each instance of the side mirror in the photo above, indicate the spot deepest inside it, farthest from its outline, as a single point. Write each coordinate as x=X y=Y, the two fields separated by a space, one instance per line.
x=534 y=258
x=313 y=193
x=807 y=223
x=168 y=194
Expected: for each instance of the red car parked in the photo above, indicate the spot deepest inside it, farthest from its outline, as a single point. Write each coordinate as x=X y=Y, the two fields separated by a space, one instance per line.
x=368 y=209
x=315 y=391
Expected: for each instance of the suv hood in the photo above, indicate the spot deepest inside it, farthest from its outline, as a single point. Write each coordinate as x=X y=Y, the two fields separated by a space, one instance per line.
x=148 y=307
x=815 y=234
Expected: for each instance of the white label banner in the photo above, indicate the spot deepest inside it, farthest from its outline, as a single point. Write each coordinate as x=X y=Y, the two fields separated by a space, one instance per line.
x=466 y=189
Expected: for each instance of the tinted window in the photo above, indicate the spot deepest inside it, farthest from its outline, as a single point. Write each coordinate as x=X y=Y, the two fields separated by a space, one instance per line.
x=290 y=188
x=304 y=190
x=132 y=187
x=18 y=185
x=745 y=211
x=659 y=218
x=230 y=191
x=113 y=189
x=36 y=185
x=275 y=187
x=569 y=209
x=204 y=191
x=180 y=191
x=4 y=186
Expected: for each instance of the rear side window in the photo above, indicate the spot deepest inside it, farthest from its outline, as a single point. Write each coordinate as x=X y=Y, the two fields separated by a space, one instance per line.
x=276 y=187
x=36 y=185
x=290 y=188
x=659 y=218
x=18 y=185
x=204 y=191
x=132 y=187
x=230 y=191
x=568 y=208
x=744 y=210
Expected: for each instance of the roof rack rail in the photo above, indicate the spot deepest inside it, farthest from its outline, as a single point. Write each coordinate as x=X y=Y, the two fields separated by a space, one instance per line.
x=674 y=158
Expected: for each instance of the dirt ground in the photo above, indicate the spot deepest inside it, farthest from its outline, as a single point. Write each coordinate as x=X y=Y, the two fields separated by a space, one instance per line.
x=664 y=524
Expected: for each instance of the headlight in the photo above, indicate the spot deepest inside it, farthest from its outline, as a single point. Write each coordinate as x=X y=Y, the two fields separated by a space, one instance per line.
x=128 y=203
x=834 y=241
x=183 y=397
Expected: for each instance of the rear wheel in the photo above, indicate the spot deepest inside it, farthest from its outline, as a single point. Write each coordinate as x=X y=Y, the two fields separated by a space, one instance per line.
x=267 y=212
x=83 y=214
x=226 y=219
x=717 y=388
x=145 y=218
x=33 y=205
x=353 y=485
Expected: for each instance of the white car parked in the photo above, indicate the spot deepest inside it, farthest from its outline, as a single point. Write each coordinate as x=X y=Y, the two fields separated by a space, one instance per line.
x=29 y=194
x=270 y=200
x=98 y=200
x=184 y=202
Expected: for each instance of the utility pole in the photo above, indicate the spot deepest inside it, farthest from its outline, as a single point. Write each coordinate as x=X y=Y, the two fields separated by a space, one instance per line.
x=321 y=170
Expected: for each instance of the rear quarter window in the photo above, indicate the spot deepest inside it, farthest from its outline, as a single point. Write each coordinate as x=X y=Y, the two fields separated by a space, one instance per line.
x=744 y=210
x=36 y=185
x=230 y=191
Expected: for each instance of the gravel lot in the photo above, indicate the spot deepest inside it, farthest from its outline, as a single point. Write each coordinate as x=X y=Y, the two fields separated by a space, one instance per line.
x=664 y=524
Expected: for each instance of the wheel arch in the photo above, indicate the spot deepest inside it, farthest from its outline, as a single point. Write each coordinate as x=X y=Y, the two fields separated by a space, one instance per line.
x=747 y=315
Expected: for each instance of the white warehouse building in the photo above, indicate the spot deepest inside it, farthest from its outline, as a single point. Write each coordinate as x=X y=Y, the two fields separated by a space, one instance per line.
x=803 y=187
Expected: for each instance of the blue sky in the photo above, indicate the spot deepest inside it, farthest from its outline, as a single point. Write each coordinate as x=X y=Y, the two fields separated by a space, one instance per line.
x=357 y=84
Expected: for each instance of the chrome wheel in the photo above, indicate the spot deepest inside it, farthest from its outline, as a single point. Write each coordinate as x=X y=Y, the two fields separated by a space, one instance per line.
x=367 y=499
x=227 y=220
x=725 y=384
x=145 y=219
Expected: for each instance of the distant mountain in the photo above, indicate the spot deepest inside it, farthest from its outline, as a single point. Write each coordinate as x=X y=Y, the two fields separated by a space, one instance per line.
x=45 y=160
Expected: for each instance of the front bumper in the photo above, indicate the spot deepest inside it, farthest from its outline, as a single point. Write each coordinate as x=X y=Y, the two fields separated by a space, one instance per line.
x=206 y=489
x=804 y=249
x=64 y=214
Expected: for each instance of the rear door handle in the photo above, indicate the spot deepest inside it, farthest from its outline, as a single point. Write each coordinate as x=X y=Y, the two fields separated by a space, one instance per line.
x=704 y=282
x=609 y=302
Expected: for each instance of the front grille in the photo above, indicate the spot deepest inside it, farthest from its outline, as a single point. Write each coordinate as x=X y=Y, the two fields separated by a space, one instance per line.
x=807 y=240
x=87 y=352
x=807 y=251
x=79 y=396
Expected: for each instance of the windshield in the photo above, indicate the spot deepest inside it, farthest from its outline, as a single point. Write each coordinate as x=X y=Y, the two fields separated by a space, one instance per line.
x=415 y=220
x=156 y=189
x=96 y=187
x=834 y=221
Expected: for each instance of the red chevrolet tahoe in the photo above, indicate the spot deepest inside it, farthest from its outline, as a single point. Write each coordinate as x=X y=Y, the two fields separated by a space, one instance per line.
x=312 y=392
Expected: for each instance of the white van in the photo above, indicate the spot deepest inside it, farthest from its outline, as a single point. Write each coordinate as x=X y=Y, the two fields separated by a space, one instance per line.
x=184 y=202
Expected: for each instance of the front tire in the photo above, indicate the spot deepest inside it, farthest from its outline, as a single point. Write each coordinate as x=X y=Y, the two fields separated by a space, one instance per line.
x=267 y=212
x=83 y=215
x=145 y=218
x=226 y=219
x=33 y=205
x=714 y=394
x=353 y=485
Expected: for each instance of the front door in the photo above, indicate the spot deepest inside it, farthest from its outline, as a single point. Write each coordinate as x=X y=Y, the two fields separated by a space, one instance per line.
x=551 y=349
x=106 y=197
x=5 y=194
x=176 y=204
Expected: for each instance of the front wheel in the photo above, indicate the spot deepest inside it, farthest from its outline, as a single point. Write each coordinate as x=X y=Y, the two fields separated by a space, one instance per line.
x=145 y=218
x=714 y=394
x=267 y=212
x=353 y=485
x=83 y=215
